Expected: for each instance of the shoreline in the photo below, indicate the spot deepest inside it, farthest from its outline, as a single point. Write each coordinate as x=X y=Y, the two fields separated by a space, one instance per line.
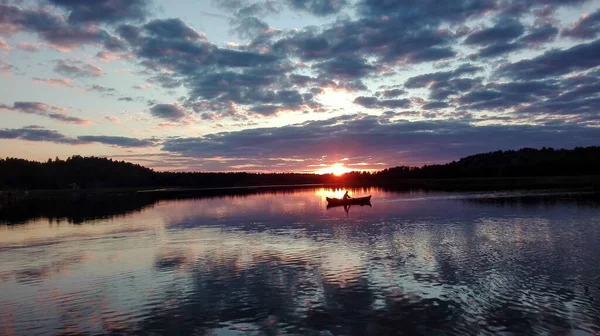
x=455 y=184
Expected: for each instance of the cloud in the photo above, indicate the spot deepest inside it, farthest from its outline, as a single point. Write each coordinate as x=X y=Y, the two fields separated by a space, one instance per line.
x=442 y=89
x=587 y=27
x=108 y=11
x=34 y=107
x=45 y=110
x=345 y=67
x=117 y=141
x=4 y=45
x=505 y=30
x=425 y=80
x=76 y=68
x=249 y=27
x=172 y=112
x=555 y=62
x=365 y=136
x=172 y=28
x=374 y=102
x=108 y=57
x=6 y=68
x=55 y=81
x=28 y=46
x=499 y=49
x=37 y=134
x=101 y=88
x=391 y=93
x=434 y=105
x=541 y=34
x=318 y=7
x=54 y=29
x=113 y=119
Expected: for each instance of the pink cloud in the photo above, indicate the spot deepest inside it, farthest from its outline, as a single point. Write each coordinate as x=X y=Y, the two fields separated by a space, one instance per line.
x=108 y=57
x=54 y=81
x=4 y=45
x=8 y=29
x=113 y=119
x=29 y=46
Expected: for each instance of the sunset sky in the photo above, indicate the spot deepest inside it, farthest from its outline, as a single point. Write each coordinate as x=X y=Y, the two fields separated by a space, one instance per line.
x=296 y=85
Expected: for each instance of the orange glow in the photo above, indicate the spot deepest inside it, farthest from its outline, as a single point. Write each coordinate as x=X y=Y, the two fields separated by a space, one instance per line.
x=335 y=169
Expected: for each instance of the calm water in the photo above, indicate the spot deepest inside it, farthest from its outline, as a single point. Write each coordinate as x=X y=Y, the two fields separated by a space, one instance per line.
x=282 y=263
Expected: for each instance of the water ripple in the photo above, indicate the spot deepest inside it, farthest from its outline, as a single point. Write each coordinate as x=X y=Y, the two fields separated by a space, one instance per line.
x=439 y=265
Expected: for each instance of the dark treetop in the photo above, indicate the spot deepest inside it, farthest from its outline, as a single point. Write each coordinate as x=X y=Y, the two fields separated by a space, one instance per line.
x=94 y=172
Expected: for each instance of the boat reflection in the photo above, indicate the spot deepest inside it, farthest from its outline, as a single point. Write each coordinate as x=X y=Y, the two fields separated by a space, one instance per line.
x=347 y=207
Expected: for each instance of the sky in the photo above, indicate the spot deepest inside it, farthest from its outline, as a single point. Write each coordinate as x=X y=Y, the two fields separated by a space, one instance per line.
x=296 y=85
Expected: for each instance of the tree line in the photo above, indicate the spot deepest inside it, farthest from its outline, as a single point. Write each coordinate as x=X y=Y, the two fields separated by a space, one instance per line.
x=95 y=172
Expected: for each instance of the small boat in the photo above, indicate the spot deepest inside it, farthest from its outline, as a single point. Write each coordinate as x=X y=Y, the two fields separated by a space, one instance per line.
x=350 y=201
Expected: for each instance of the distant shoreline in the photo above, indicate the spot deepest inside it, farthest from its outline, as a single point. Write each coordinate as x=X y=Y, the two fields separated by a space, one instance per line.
x=452 y=184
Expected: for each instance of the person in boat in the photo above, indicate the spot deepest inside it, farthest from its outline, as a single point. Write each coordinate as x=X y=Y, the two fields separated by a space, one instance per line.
x=346 y=196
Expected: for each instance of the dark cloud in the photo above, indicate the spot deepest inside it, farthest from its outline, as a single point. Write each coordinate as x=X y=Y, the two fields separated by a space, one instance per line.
x=45 y=110
x=587 y=27
x=318 y=7
x=504 y=31
x=386 y=40
x=345 y=67
x=250 y=27
x=129 y=33
x=554 y=62
x=37 y=134
x=111 y=11
x=535 y=37
x=576 y=96
x=541 y=34
x=367 y=136
x=101 y=88
x=499 y=49
x=245 y=8
x=172 y=29
x=118 y=141
x=441 y=90
x=374 y=102
x=432 y=54
x=430 y=78
x=172 y=112
x=426 y=12
x=391 y=93
x=53 y=29
x=434 y=105
x=166 y=81
x=549 y=96
x=76 y=68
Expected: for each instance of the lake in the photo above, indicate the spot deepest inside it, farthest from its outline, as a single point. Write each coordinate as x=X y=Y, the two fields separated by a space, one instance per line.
x=282 y=263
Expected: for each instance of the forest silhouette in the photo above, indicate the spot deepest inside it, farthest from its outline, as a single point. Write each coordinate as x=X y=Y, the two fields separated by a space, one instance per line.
x=79 y=172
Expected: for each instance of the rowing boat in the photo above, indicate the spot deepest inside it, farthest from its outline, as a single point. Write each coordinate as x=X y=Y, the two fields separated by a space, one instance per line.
x=348 y=201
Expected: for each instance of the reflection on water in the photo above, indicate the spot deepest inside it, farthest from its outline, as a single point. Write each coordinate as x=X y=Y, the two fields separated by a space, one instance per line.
x=282 y=263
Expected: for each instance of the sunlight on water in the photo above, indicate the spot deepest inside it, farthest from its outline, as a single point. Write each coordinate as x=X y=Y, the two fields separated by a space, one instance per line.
x=282 y=263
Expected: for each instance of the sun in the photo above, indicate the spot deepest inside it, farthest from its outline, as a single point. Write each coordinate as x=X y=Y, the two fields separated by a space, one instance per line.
x=338 y=169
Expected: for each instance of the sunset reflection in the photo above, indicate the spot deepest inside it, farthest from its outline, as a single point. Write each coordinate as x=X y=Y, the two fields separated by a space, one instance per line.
x=281 y=257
